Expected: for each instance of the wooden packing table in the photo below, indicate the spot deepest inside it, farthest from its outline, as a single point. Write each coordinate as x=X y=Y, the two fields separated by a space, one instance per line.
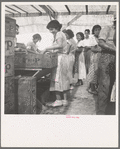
x=35 y=65
x=38 y=73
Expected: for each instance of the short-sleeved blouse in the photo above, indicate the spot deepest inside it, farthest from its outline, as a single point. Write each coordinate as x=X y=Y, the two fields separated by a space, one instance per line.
x=61 y=35
x=107 y=34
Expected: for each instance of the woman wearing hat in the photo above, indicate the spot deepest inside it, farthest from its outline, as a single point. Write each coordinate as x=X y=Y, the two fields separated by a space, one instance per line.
x=60 y=81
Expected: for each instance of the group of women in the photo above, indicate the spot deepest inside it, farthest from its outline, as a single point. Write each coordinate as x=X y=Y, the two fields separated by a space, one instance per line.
x=71 y=69
x=78 y=61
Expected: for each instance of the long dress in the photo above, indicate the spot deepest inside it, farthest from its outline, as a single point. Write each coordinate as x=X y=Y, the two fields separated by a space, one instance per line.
x=71 y=57
x=81 y=63
x=92 y=76
x=60 y=80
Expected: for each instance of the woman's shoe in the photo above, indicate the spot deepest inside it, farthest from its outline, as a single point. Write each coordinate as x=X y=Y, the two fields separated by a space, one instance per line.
x=57 y=103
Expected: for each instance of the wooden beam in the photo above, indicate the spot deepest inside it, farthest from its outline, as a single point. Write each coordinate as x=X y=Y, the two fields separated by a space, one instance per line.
x=59 y=14
x=50 y=13
x=86 y=9
x=51 y=9
x=74 y=19
x=10 y=12
x=13 y=9
x=20 y=9
x=68 y=9
x=108 y=9
x=36 y=9
x=84 y=13
x=55 y=13
x=26 y=15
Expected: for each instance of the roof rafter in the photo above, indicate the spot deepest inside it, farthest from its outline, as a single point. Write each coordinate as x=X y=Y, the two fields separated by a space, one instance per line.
x=9 y=12
x=20 y=9
x=86 y=6
x=50 y=13
x=36 y=9
x=74 y=19
x=68 y=9
x=13 y=9
x=51 y=9
x=108 y=9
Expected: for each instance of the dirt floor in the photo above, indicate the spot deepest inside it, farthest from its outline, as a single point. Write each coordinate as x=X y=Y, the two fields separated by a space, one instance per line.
x=80 y=102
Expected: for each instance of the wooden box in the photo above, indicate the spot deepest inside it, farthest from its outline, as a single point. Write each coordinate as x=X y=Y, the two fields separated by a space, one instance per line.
x=26 y=95
x=9 y=46
x=35 y=61
x=9 y=65
x=9 y=96
x=10 y=27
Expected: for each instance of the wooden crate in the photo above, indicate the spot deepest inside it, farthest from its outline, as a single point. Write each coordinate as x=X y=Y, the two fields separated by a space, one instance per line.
x=9 y=65
x=9 y=46
x=26 y=95
x=37 y=61
x=9 y=96
x=10 y=27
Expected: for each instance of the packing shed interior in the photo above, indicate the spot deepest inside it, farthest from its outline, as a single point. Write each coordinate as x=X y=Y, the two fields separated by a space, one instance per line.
x=76 y=16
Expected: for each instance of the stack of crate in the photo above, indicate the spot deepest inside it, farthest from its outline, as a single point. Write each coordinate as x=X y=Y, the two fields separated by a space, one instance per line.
x=10 y=33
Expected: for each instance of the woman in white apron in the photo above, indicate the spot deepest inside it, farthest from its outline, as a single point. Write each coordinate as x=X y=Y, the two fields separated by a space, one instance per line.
x=81 y=59
x=60 y=82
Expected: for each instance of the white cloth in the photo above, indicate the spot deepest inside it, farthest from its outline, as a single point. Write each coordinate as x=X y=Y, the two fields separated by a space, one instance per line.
x=81 y=63
x=89 y=42
x=71 y=59
x=60 y=80
x=113 y=93
x=81 y=68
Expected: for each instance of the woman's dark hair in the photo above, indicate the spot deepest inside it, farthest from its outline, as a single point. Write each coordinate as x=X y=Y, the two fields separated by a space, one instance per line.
x=81 y=34
x=70 y=33
x=37 y=36
x=94 y=27
x=64 y=30
x=87 y=30
x=54 y=24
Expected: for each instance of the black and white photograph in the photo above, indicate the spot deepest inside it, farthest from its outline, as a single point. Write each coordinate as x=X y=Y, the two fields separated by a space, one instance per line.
x=60 y=60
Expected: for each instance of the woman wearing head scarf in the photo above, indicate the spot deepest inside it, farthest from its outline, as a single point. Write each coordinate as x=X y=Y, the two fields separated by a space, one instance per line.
x=92 y=76
x=73 y=46
x=60 y=81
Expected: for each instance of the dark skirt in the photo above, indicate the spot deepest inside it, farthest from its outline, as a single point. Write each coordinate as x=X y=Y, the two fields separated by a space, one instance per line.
x=76 y=64
x=87 y=60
